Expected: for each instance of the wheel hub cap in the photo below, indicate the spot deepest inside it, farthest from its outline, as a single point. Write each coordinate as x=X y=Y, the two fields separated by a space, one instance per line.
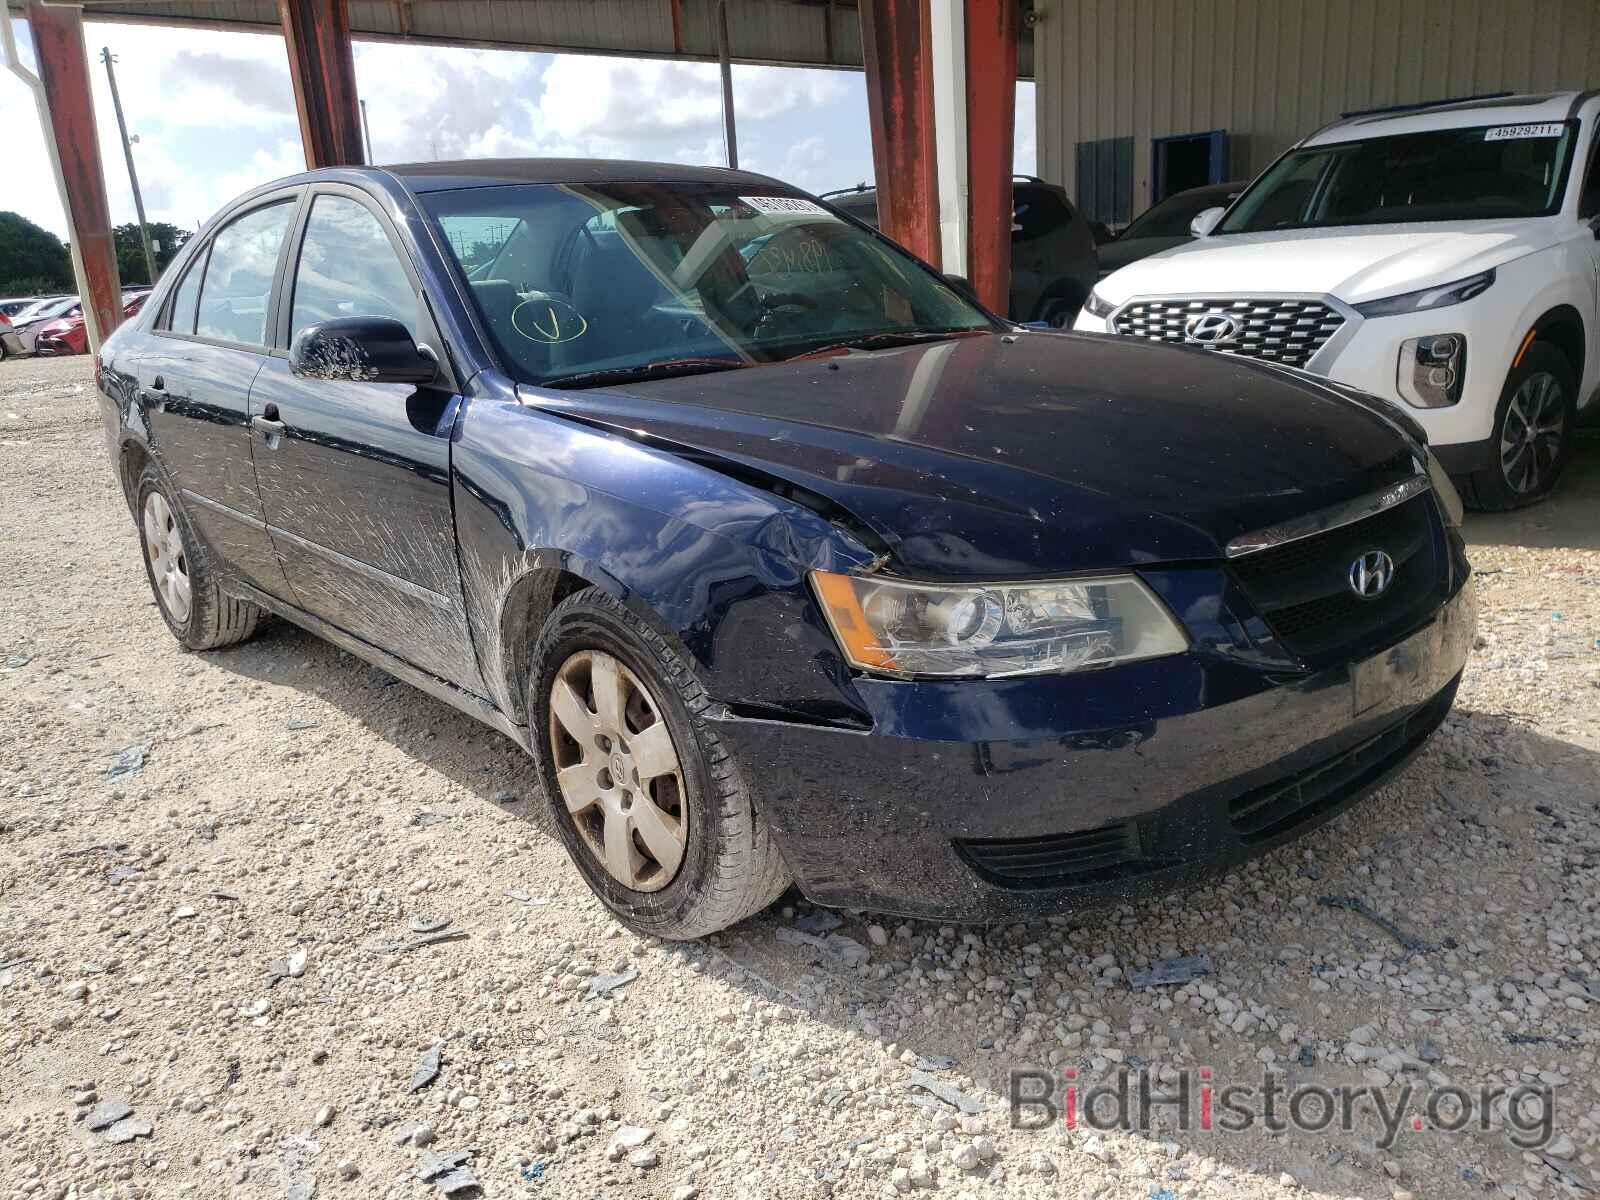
x=1531 y=439
x=618 y=770
x=169 y=563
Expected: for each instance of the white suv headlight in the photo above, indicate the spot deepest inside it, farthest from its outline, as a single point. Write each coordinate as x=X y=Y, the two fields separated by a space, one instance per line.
x=1432 y=370
x=1442 y=296
x=892 y=627
x=1098 y=306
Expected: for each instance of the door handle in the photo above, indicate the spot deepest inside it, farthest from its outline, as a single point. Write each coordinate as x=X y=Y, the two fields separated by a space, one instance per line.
x=157 y=393
x=268 y=425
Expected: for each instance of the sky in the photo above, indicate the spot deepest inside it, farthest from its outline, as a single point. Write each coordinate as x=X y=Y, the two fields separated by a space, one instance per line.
x=215 y=116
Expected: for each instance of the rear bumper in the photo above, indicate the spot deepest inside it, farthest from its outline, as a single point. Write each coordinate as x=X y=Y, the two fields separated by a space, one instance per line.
x=1095 y=802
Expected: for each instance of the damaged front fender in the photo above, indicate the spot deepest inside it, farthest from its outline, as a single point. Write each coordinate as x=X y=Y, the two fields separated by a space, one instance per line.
x=544 y=505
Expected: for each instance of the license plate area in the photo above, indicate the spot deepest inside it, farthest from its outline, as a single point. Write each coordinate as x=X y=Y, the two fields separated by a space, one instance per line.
x=1398 y=671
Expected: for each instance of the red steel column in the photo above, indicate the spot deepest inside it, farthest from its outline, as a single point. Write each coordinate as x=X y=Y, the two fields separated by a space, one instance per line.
x=991 y=27
x=323 y=70
x=899 y=63
x=57 y=33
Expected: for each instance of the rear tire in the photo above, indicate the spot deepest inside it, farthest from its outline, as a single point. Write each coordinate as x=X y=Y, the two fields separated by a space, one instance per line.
x=1532 y=433
x=654 y=765
x=198 y=613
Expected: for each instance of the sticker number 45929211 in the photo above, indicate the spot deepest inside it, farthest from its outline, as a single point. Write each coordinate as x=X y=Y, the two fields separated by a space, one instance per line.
x=784 y=206
x=1505 y=133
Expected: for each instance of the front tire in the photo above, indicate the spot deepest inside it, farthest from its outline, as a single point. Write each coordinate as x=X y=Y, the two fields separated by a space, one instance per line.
x=652 y=807
x=198 y=613
x=1532 y=433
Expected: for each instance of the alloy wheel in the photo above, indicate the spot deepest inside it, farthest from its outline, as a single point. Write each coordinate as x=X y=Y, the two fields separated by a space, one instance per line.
x=618 y=770
x=169 y=563
x=1530 y=438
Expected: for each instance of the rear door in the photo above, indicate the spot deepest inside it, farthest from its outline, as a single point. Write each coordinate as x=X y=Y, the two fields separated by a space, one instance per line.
x=195 y=373
x=355 y=477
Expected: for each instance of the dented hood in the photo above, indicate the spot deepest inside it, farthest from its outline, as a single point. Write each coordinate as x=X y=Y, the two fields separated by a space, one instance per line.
x=1001 y=456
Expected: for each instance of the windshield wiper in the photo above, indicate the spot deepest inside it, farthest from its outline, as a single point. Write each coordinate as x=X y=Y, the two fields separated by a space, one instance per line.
x=660 y=369
x=885 y=340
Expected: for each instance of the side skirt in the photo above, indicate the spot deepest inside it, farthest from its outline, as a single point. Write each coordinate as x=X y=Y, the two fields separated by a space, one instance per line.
x=474 y=706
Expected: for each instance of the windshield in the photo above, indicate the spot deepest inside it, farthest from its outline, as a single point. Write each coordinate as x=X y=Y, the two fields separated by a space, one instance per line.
x=580 y=285
x=1472 y=174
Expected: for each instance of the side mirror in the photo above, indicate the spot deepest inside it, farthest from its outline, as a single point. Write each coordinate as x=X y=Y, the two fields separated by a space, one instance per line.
x=362 y=350
x=1205 y=221
x=962 y=285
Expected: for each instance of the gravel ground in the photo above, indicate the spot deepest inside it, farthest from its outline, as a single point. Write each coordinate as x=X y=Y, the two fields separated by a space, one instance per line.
x=217 y=940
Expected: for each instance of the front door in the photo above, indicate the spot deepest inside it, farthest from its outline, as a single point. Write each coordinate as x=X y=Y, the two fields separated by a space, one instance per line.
x=195 y=373
x=355 y=477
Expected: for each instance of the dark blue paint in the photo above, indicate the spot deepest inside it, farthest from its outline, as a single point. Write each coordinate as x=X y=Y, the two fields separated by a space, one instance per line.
x=702 y=502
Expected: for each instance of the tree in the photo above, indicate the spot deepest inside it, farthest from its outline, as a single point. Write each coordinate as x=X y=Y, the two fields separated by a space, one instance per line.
x=130 y=250
x=32 y=259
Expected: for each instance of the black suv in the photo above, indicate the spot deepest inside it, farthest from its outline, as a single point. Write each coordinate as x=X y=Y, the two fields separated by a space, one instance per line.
x=1053 y=261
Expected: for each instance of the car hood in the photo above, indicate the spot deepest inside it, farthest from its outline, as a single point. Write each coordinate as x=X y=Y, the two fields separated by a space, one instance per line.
x=1003 y=456
x=1355 y=264
x=1115 y=255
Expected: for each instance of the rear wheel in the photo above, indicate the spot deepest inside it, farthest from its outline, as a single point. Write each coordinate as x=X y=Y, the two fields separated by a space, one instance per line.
x=199 y=615
x=1532 y=432
x=652 y=807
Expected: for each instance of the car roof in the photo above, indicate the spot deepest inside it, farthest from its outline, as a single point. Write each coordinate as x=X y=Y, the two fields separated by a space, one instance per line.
x=442 y=176
x=1532 y=109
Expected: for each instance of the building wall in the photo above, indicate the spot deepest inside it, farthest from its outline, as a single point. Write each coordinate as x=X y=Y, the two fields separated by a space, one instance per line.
x=1272 y=71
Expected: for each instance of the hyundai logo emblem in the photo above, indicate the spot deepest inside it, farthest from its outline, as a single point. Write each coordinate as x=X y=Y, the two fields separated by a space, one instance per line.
x=1371 y=574
x=1211 y=329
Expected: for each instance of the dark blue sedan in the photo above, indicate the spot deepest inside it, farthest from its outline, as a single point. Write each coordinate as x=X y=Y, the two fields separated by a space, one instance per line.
x=784 y=561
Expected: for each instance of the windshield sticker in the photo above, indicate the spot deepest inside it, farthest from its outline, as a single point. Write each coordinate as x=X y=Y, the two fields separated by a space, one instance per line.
x=784 y=206
x=1505 y=133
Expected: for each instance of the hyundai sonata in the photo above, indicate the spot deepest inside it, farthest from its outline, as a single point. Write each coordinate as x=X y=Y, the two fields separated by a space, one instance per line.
x=783 y=560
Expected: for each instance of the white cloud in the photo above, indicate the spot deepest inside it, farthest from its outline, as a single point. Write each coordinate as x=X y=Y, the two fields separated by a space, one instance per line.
x=1025 y=155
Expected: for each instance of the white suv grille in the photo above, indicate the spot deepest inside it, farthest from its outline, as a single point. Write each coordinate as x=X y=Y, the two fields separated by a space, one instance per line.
x=1276 y=329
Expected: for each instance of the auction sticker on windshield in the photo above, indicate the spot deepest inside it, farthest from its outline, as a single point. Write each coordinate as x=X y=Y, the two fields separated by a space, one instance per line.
x=783 y=206
x=1504 y=133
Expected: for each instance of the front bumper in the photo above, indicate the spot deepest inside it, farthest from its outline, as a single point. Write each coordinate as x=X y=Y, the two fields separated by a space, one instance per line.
x=1079 y=790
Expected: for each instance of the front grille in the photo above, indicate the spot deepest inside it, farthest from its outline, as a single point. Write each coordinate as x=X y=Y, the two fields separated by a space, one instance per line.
x=1302 y=588
x=1278 y=330
x=1059 y=859
x=1279 y=807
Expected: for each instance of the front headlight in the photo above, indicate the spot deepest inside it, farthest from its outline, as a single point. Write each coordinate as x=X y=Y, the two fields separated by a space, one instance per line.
x=991 y=629
x=1435 y=297
x=1432 y=370
x=1098 y=306
x=1449 y=498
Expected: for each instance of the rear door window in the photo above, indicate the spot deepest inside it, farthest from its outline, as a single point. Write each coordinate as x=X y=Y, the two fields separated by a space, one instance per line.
x=180 y=317
x=238 y=282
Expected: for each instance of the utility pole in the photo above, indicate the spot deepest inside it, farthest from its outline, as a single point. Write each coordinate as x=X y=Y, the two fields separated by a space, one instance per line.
x=127 y=153
x=366 y=132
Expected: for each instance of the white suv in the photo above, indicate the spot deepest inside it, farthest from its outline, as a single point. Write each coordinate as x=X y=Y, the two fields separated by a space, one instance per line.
x=1444 y=257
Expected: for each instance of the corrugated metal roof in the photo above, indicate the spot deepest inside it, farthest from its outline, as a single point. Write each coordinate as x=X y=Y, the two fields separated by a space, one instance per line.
x=785 y=32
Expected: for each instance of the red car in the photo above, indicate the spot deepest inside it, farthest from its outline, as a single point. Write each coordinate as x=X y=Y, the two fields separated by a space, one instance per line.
x=68 y=335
